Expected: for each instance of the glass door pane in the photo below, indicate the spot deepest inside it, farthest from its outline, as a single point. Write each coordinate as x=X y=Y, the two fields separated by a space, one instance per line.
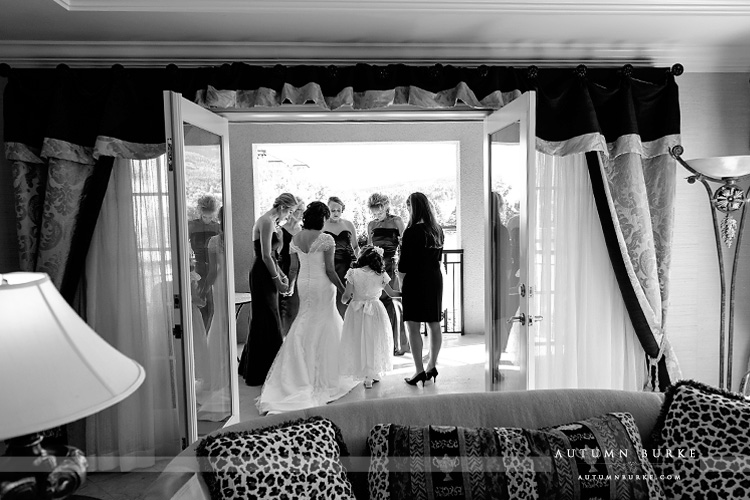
x=197 y=141
x=509 y=135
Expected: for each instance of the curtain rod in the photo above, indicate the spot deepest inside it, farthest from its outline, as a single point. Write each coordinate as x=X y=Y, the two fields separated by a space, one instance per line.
x=532 y=71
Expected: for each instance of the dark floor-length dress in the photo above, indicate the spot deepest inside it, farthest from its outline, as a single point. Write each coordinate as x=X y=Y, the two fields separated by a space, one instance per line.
x=422 y=289
x=388 y=238
x=343 y=257
x=288 y=305
x=265 y=338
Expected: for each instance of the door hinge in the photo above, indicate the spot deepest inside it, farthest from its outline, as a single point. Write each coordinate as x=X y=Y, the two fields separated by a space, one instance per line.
x=177 y=331
x=177 y=302
x=170 y=162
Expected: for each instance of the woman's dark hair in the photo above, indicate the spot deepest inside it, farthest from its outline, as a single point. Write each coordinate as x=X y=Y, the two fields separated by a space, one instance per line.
x=421 y=210
x=315 y=215
x=221 y=217
x=368 y=257
x=336 y=199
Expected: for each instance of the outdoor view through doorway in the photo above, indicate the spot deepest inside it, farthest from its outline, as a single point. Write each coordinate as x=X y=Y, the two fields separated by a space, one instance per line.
x=353 y=171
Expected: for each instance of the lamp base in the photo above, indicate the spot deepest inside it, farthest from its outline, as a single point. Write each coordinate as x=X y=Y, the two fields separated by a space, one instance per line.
x=29 y=470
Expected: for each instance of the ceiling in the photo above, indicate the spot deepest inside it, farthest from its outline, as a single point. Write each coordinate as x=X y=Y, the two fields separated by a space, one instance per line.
x=709 y=35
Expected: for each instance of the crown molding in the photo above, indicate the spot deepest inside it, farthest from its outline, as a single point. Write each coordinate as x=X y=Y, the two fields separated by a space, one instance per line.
x=723 y=7
x=39 y=54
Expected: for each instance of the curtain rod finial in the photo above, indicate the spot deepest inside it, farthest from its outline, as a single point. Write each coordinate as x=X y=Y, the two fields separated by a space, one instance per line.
x=4 y=70
x=677 y=69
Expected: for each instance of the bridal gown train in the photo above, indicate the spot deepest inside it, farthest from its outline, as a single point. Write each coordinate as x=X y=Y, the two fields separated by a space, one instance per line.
x=305 y=372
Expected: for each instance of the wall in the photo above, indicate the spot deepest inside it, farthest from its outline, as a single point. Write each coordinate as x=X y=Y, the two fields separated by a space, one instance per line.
x=470 y=215
x=8 y=242
x=715 y=122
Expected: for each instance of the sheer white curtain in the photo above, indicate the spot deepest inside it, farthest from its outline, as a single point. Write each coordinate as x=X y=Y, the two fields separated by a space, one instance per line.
x=586 y=338
x=128 y=303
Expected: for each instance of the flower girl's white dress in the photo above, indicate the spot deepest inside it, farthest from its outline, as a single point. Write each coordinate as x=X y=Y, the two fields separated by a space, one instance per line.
x=367 y=338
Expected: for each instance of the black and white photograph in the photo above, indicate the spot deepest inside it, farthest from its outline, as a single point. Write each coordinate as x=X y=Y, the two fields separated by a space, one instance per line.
x=396 y=249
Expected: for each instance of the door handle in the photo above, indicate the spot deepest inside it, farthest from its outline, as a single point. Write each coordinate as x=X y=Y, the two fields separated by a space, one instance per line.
x=521 y=318
x=535 y=319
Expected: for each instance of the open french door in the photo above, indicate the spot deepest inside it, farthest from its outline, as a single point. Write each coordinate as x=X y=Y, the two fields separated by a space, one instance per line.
x=510 y=267
x=205 y=329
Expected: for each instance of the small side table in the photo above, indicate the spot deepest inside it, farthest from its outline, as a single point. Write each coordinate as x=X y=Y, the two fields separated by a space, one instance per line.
x=240 y=299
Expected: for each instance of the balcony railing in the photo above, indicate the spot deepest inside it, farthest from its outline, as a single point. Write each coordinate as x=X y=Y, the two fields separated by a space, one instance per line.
x=453 y=291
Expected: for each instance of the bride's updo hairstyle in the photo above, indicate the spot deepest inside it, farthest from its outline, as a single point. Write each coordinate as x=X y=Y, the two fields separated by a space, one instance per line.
x=370 y=257
x=315 y=216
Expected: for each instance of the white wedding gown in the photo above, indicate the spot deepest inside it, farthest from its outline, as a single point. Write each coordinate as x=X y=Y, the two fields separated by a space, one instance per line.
x=305 y=372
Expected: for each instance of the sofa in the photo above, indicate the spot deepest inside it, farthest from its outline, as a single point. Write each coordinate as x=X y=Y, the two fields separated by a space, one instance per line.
x=527 y=409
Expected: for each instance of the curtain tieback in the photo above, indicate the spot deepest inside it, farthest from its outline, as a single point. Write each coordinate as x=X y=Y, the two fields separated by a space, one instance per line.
x=653 y=364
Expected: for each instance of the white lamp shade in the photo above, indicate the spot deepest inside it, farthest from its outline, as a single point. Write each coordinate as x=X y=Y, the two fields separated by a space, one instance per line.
x=54 y=369
x=721 y=167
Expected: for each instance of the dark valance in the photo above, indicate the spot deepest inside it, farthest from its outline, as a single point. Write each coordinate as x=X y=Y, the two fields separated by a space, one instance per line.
x=77 y=106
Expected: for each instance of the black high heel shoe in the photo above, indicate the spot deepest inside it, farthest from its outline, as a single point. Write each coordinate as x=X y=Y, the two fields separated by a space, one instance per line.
x=432 y=373
x=419 y=377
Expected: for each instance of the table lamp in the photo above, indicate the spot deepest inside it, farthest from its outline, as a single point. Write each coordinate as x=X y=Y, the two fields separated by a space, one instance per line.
x=54 y=369
x=726 y=179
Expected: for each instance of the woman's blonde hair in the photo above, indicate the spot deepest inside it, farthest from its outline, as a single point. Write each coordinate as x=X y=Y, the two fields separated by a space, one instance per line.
x=379 y=200
x=286 y=200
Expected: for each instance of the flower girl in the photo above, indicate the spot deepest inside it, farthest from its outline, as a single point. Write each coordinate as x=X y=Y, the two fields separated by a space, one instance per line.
x=367 y=338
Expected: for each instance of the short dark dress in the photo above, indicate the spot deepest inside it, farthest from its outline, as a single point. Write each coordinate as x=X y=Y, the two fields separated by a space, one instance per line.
x=288 y=305
x=422 y=289
x=343 y=257
x=265 y=338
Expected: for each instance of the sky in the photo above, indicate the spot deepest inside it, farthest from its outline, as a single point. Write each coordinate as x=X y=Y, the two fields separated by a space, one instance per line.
x=401 y=161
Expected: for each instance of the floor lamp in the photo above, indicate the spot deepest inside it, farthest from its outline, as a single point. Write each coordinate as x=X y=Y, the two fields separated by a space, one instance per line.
x=726 y=179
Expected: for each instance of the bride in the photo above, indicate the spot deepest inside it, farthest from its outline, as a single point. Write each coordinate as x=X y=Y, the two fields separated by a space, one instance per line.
x=305 y=372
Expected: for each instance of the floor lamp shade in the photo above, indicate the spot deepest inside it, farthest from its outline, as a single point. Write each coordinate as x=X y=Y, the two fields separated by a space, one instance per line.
x=54 y=369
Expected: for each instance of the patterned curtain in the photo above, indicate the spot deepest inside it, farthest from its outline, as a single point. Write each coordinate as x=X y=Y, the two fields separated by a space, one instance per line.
x=635 y=197
x=61 y=150
x=626 y=129
x=56 y=203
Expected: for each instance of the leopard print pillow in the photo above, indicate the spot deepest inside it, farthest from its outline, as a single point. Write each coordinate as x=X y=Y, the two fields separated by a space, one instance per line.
x=297 y=459
x=701 y=444
x=600 y=457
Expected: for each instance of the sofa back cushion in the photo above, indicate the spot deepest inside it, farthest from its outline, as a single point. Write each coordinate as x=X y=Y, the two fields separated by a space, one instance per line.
x=591 y=458
x=529 y=409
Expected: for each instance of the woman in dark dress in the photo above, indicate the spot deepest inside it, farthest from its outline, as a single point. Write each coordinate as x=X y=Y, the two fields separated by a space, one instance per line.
x=345 y=235
x=289 y=302
x=385 y=232
x=422 y=289
x=266 y=282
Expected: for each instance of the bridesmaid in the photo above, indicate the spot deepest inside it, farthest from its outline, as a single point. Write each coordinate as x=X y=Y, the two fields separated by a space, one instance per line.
x=345 y=235
x=422 y=293
x=266 y=282
x=385 y=231
x=289 y=302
